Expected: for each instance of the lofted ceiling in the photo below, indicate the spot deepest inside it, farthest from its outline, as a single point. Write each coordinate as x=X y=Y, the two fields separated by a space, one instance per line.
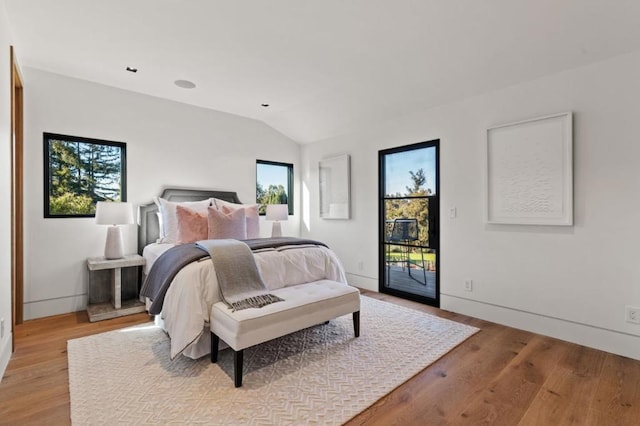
x=325 y=66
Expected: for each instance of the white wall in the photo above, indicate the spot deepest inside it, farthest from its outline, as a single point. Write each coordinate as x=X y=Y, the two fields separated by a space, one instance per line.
x=168 y=144
x=568 y=282
x=5 y=191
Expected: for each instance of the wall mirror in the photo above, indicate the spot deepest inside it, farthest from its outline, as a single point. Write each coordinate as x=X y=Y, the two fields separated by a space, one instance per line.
x=334 y=176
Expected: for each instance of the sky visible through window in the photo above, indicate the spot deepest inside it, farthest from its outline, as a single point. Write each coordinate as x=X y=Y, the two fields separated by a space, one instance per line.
x=269 y=174
x=398 y=166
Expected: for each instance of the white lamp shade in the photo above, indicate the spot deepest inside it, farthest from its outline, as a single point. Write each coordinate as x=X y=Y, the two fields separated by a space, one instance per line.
x=277 y=212
x=114 y=213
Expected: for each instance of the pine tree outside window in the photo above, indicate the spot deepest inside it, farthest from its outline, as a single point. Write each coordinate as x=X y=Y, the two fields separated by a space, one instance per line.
x=79 y=172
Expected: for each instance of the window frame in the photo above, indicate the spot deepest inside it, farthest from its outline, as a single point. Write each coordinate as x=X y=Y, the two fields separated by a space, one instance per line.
x=47 y=138
x=290 y=188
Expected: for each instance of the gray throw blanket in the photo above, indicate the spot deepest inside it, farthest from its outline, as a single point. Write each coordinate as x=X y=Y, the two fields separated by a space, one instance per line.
x=239 y=280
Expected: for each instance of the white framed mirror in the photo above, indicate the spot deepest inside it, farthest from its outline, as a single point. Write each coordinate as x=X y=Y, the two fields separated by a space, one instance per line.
x=334 y=176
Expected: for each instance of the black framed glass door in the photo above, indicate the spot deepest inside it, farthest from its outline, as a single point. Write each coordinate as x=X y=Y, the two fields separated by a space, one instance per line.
x=408 y=222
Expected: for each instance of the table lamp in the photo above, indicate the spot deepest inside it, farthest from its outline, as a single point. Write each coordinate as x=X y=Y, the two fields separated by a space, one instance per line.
x=114 y=214
x=277 y=212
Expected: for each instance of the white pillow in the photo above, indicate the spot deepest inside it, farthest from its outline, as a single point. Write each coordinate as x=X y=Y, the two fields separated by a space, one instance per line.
x=170 y=219
x=251 y=214
x=160 y=226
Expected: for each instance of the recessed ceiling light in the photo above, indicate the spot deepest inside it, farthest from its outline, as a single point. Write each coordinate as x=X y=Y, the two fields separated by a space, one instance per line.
x=131 y=69
x=185 y=84
x=264 y=105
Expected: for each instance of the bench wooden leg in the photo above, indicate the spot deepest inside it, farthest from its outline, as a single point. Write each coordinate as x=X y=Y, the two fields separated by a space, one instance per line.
x=237 y=367
x=356 y=323
x=215 y=340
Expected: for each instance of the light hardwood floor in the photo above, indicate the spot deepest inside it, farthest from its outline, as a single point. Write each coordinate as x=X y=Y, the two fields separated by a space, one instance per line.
x=500 y=376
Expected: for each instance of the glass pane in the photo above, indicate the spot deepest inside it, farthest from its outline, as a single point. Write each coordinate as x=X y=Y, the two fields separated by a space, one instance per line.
x=80 y=172
x=411 y=269
x=410 y=173
x=407 y=219
x=272 y=184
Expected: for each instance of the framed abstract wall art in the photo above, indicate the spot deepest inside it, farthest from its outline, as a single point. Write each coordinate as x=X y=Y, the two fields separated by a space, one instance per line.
x=529 y=172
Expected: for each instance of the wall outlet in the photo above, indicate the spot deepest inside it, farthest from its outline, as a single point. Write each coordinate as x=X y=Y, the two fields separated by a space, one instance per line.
x=453 y=213
x=360 y=266
x=468 y=285
x=1 y=328
x=633 y=314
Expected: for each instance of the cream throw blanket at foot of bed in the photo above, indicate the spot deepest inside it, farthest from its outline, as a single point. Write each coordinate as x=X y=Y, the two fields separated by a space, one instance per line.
x=239 y=280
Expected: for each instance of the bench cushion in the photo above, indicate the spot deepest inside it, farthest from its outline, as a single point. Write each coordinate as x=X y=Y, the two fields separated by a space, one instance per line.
x=304 y=305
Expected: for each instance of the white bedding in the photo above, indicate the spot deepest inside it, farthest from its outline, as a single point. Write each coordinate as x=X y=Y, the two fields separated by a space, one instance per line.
x=152 y=252
x=194 y=290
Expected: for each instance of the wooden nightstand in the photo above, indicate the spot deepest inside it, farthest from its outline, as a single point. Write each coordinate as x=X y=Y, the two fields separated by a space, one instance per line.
x=107 y=291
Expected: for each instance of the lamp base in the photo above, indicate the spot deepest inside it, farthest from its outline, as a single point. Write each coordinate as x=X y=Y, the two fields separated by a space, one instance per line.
x=114 y=249
x=276 y=230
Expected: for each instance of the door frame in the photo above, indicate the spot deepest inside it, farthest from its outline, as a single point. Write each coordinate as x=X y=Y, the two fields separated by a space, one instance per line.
x=17 y=194
x=435 y=234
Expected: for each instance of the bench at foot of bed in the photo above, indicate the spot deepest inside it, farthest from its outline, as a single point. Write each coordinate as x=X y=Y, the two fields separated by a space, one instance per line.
x=304 y=305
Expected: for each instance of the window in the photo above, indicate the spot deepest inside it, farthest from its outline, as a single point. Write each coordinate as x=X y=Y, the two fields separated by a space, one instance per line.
x=79 y=172
x=274 y=184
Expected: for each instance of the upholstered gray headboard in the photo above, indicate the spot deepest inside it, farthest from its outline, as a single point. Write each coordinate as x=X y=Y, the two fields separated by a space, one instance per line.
x=148 y=228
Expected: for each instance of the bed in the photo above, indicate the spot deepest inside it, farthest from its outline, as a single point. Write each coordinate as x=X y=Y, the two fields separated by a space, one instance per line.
x=186 y=305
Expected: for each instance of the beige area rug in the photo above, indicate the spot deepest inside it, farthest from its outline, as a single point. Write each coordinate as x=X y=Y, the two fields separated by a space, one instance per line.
x=321 y=375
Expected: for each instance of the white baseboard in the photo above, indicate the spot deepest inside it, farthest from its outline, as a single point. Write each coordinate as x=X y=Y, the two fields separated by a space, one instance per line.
x=5 y=354
x=363 y=282
x=606 y=340
x=57 y=306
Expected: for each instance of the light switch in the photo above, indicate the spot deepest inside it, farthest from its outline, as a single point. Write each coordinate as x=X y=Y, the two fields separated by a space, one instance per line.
x=453 y=212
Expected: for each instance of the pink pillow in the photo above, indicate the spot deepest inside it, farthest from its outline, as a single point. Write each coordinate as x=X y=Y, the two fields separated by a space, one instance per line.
x=250 y=213
x=192 y=225
x=169 y=230
x=232 y=225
